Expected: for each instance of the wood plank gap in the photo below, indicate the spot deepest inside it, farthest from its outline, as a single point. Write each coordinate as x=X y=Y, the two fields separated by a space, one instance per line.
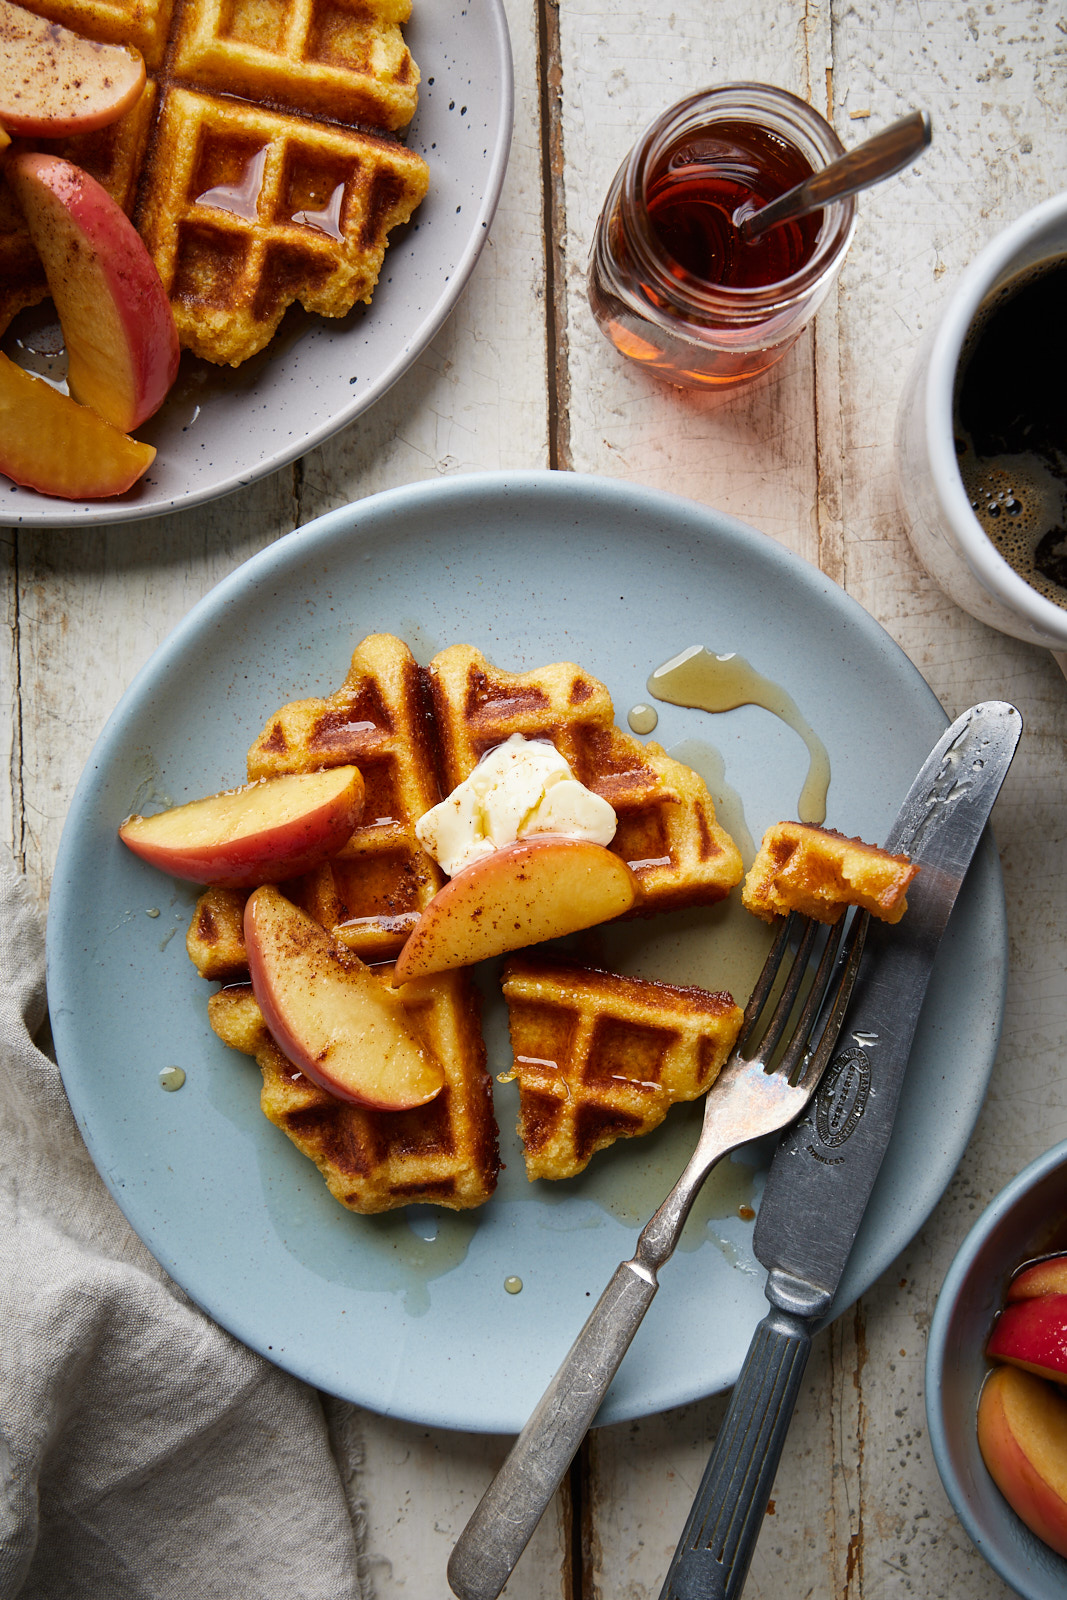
x=578 y=1581
x=554 y=210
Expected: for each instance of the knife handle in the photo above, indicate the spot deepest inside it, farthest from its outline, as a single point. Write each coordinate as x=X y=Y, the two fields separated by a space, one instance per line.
x=714 y=1552
x=512 y=1506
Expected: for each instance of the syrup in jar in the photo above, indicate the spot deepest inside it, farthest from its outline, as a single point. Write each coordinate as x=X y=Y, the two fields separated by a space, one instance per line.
x=671 y=281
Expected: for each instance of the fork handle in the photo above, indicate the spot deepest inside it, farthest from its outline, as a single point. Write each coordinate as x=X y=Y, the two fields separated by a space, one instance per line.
x=509 y=1511
x=715 y=1550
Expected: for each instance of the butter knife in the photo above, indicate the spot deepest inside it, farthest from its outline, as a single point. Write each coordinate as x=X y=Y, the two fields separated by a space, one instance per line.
x=825 y=1166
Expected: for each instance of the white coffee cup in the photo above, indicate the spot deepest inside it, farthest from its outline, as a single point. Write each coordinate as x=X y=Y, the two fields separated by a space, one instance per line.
x=944 y=531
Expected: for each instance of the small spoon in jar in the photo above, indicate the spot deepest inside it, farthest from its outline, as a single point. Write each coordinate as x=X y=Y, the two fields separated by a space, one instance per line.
x=888 y=152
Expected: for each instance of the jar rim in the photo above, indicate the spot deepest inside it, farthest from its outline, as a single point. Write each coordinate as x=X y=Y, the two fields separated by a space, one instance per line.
x=793 y=120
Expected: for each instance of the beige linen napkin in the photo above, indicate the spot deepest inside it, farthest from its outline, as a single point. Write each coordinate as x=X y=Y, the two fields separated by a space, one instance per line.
x=143 y=1452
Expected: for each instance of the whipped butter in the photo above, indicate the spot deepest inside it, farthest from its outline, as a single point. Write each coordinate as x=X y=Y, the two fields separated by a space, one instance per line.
x=520 y=788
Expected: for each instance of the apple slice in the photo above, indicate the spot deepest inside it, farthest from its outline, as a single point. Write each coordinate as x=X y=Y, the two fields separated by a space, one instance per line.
x=49 y=443
x=1047 y=1276
x=122 y=345
x=1033 y=1334
x=330 y=1015
x=524 y=893
x=54 y=82
x=1022 y=1434
x=261 y=833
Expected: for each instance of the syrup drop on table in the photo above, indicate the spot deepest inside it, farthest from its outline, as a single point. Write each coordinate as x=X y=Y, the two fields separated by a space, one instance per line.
x=709 y=682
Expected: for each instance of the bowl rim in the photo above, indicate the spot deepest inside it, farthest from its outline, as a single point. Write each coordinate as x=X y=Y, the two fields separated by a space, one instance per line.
x=937 y=1351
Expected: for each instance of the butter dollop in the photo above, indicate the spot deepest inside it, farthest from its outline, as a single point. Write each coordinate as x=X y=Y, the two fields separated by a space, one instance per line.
x=519 y=788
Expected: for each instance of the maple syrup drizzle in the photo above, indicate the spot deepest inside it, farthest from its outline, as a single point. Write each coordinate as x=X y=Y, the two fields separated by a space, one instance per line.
x=709 y=682
x=328 y=220
x=239 y=199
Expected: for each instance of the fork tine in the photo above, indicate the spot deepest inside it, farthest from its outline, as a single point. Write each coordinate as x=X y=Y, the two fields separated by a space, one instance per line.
x=766 y=980
x=816 y=1060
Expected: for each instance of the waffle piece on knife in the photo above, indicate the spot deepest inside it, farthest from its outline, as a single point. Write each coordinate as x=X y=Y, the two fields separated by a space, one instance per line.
x=264 y=171
x=819 y=872
x=667 y=832
x=443 y=1153
x=600 y=1057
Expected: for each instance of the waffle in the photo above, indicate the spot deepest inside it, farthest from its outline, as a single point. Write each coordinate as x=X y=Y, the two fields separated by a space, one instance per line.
x=598 y=1057
x=371 y=894
x=443 y=1153
x=259 y=165
x=667 y=832
x=819 y=872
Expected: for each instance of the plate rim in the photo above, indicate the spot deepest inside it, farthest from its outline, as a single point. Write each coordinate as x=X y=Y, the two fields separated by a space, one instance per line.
x=546 y=485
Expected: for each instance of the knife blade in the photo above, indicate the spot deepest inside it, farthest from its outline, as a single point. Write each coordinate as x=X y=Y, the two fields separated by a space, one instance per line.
x=825 y=1166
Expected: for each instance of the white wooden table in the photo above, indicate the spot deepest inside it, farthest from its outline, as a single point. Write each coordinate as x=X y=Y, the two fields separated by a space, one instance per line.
x=520 y=378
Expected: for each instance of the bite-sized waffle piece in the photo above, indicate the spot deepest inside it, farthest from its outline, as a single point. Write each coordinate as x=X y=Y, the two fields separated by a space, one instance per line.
x=259 y=165
x=819 y=872
x=216 y=938
x=443 y=1153
x=667 y=832
x=600 y=1057
x=370 y=895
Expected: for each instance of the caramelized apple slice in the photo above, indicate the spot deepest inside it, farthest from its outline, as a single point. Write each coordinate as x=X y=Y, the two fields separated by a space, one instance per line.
x=330 y=1015
x=261 y=833
x=50 y=443
x=54 y=82
x=522 y=894
x=122 y=345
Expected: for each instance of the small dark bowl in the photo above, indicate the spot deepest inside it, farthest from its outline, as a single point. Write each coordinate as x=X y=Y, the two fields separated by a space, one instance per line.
x=1013 y=1227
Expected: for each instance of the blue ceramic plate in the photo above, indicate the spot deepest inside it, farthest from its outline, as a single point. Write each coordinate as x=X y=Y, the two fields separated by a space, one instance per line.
x=222 y=428
x=408 y=1314
x=1011 y=1228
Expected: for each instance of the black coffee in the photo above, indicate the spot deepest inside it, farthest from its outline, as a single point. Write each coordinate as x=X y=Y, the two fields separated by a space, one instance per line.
x=1011 y=423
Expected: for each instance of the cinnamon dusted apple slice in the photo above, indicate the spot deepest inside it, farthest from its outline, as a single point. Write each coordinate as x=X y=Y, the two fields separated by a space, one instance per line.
x=122 y=345
x=261 y=833
x=54 y=82
x=49 y=443
x=330 y=1015
x=539 y=888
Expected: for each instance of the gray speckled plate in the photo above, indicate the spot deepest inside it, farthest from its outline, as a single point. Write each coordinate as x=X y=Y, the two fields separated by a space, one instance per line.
x=220 y=429
x=531 y=568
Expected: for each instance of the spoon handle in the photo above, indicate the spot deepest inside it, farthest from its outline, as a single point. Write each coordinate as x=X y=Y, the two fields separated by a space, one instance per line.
x=871 y=161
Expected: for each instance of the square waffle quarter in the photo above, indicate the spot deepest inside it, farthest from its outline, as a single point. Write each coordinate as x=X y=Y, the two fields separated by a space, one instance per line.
x=261 y=210
x=443 y=1153
x=667 y=832
x=599 y=1057
x=819 y=872
x=370 y=895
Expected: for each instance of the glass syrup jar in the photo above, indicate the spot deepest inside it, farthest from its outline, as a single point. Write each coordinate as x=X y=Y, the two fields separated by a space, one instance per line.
x=671 y=282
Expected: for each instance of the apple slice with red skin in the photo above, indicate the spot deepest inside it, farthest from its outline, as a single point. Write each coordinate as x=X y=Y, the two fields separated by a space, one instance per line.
x=1047 y=1276
x=54 y=82
x=539 y=888
x=263 y=832
x=1022 y=1434
x=1033 y=1334
x=330 y=1015
x=50 y=443
x=122 y=345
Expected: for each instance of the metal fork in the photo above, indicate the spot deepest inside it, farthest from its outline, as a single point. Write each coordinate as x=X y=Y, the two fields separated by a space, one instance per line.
x=752 y=1096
